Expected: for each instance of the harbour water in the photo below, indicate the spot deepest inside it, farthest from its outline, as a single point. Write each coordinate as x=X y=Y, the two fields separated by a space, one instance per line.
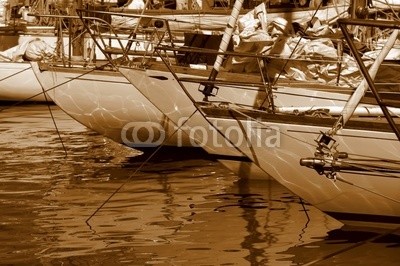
x=72 y=197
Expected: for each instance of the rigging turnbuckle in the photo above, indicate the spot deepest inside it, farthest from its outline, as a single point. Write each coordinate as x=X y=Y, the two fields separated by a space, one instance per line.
x=326 y=166
x=208 y=90
x=327 y=160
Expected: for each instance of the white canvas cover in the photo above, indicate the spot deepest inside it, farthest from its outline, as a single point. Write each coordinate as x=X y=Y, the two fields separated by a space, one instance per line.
x=32 y=50
x=314 y=59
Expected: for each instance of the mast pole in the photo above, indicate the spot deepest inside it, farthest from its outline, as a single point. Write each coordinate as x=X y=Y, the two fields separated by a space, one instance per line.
x=356 y=97
x=226 y=38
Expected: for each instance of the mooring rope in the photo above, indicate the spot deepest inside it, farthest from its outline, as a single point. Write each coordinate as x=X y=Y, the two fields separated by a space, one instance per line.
x=137 y=169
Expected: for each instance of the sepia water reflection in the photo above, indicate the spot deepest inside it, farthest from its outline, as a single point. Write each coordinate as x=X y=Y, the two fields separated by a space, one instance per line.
x=180 y=208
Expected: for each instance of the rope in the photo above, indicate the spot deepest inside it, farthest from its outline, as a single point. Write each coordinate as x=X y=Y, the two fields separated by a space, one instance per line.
x=295 y=47
x=12 y=75
x=366 y=189
x=50 y=89
x=355 y=165
x=259 y=122
x=135 y=172
x=54 y=123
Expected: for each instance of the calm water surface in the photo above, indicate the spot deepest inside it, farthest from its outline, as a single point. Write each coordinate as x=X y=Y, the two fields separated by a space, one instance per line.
x=173 y=210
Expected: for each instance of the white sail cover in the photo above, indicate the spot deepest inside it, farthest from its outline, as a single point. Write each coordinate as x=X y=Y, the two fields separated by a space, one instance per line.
x=33 y=49
x=312 y=59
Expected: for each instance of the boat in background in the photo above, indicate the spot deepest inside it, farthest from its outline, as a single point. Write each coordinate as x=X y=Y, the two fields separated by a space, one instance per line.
x=214 y=15
x=17 y=80
x=18 y=30
x=20 y=38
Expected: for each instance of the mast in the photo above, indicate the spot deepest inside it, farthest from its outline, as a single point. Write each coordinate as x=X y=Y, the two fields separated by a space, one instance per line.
x=356 y=97
x=76 y=36
x=226 y=38
x=359 y=8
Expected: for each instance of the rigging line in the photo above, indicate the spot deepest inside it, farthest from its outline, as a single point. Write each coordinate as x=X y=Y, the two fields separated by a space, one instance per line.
x=381 y=172
x=12 y=75
x=297 y=44
x=370 y=173
x=391 y=8
x=50 y=89
x=366 y=189
x=137 y=170
x=268 y=88
x=319 y=87
x=307 y=96
x=369 y=159
x=305 y=142
x=373 y=158
x=304 y=209
x=54 y=122
x=343 y=250
x=376 y=164
x=195 y=103
x=262 y=124
x=301 y=58
x=77 y=77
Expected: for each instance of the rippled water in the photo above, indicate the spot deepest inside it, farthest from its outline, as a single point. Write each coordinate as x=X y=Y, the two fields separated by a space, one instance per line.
x=173 y=210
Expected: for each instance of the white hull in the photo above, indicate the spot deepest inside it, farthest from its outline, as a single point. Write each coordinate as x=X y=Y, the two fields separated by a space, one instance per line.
x=17 y=80
x=18 y=83
x=348 y=203
x=179 y=108
x=360 y=198
x=162 y=89
x=105 y=102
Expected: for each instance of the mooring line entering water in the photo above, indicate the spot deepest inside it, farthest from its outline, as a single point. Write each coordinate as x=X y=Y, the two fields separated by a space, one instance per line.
x=44 y=91
x=137 y=170
x=49 y=108
x=54 y=121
